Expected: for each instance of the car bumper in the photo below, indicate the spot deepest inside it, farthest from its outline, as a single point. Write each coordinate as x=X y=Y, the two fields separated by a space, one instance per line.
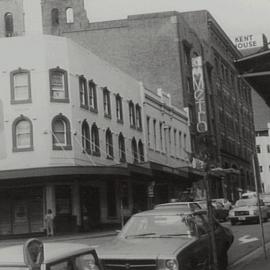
x=243 y=218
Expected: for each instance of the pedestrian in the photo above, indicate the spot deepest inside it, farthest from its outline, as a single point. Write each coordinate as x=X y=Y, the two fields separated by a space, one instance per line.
x=49 y=218
x=227 y=204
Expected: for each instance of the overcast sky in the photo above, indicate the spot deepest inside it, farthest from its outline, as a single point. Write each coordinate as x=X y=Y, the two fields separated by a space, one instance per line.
x=236 y=17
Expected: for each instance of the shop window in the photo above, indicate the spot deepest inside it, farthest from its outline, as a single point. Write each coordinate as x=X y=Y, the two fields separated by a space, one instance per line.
x=92 y=96
x=69 y=15
x=55 y=17
x=9 y=29
x=58 y=85
x=132 y=114
x=106 y=102
x=22 y=134
x=63 y=200
x=134 y=150
x=109 y=144
x=86 y=137
x=141 y=151
x=61 y=136
x=122 y=151
x=20 y=86
x=111 y=199
x=83 y=92
x=95 y=140
x=138 y=117
x=119 y=109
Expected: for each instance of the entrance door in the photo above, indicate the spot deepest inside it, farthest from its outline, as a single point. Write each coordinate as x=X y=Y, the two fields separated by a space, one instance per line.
x=90 y=207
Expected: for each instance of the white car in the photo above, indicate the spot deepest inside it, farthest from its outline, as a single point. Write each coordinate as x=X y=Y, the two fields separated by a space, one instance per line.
x=37 y=255
x=247 y=210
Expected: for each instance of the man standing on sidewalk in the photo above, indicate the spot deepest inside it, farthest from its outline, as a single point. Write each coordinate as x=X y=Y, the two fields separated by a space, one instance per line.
x=49 y=218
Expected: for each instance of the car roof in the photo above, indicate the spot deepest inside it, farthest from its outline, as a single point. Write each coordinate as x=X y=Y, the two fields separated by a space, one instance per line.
x=13 y=255
x=168 y=211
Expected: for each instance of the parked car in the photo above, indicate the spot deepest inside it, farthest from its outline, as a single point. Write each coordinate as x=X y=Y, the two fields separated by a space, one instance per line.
x=247 y=210
x=185 y=206
x=166 y=238
x=220 y=213
x=49 y=256
x=266 y=199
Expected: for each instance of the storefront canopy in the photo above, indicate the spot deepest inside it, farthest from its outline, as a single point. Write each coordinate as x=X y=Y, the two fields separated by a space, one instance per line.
x=256 y=70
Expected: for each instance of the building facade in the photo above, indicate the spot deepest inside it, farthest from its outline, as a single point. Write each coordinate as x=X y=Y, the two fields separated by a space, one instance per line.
x=139 y=45
x=263 y=152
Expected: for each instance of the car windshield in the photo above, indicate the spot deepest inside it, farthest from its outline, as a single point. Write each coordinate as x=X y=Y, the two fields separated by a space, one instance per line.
x=158 y=226
x=246 y=202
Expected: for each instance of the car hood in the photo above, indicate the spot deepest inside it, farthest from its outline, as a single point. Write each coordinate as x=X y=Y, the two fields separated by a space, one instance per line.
x=245 y=208
x=142 y=247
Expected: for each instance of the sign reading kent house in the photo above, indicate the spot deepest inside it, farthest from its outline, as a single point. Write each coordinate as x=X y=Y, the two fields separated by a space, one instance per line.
x=247 y=41
x=199 y=94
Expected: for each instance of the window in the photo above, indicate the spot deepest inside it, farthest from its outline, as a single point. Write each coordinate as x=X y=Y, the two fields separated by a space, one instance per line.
x=131 y=114
x=86 y=137
x=83 y=92
x=138 y=117
x=58 y=85
x=180 y=143
x=170 y=140
x=107 y=102
x=20 y=86
x=55 y=17
x=268 y=148
x=119 y=110
x=92 y=96
x=185 y=142
x=161 y=136
x=69 y=15
x=261 y=168
x=258 y=149
x=148 y=130
x=61 y=136
x=134 y=150
x=122 y=151
x=155 y=133
x=175 y=141
x=95 y=140
x=141 y=151
x=109 y=144
x=22 y=134
x=9 y=24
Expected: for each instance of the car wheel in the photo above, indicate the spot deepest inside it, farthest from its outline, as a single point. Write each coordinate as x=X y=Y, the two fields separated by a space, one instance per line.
x=223 y=259
x=233 y=222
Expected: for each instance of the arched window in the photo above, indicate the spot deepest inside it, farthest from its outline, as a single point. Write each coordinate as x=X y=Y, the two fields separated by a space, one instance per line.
x=95 y=140
x=122 y=151
x=109 y=144
x=86 y=137
x=22 y=133
x=61 y=133
x=9 y=24
x=55 y=16
x=69 y=15
x=134 y=150
x=141 y=151
x=138 y=117
x=132 y=114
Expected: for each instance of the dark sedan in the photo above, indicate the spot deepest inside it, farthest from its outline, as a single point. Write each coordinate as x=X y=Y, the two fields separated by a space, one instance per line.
x=166 y=239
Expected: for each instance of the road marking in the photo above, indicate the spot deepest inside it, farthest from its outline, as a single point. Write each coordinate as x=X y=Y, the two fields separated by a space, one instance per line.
x=245 y=239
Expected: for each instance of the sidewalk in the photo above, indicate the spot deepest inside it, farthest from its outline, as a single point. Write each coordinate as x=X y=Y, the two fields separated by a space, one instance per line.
x=254 y=261
x=65 y=237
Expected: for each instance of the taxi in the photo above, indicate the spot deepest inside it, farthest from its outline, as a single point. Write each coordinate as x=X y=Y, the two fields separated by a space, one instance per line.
x=36 y=255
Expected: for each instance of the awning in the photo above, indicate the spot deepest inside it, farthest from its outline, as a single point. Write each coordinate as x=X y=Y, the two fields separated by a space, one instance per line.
x=256 y=70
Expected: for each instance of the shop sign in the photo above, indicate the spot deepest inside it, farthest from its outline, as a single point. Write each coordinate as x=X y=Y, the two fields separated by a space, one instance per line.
x=199 y=94
x=248 y=41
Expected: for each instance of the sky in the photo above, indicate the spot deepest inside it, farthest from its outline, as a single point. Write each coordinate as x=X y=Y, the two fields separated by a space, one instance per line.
x=236 y=17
